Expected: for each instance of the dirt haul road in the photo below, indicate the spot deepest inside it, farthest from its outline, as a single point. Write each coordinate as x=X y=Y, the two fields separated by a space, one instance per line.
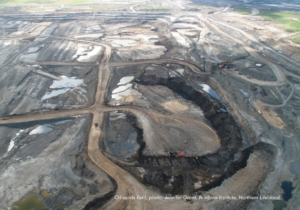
x=127 y=185
x=159 y=61
x=276 y=69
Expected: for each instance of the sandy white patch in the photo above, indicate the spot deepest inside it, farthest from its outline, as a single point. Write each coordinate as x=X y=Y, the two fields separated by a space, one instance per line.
x=124 y=42
x=89 y=36
x=42 y=129
x=87 y=53
x=188 y=19
x=125 y=80
x=64 y=85
x=12 y=141
x=180 y=39
x=180 y=71
x=187 y=32
x=210 y=91
x=66 y=82
x=55 y=93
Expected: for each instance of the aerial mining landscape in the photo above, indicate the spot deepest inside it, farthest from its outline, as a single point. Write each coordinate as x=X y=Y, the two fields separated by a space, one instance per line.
x=150 y=105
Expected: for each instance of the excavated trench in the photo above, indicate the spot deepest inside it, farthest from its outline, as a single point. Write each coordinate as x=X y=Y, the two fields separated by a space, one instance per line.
x=172 y=174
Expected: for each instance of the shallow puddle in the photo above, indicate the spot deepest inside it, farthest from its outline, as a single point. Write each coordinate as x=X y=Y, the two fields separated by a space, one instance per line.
x=42 y=129
x=121 y=144
x=287 y=188
x=244 y=93
x=210 y=91
x=125 y=80
x=30 y=202
x=62 y=86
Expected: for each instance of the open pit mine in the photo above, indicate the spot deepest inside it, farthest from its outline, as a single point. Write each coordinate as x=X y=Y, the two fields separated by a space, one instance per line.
x=150 y=105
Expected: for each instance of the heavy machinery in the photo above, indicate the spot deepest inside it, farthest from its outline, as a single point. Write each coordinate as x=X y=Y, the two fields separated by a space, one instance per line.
x=181 y=154
x=223 y=64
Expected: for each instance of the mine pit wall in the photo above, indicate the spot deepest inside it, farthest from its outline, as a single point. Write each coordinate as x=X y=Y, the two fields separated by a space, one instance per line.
x=226 y=127
x=234 y=110
x=98 y=202
x=162 y=167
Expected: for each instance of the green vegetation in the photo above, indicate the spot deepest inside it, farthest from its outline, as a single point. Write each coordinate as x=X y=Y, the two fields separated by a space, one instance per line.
x=290 y=20
x=51 y=2
x=243 y=11
x=43 y=2
x=279 y=205
x=95 y=7
x=195 y=6
x=156 y=7
x=297 y=39
x=29 y=202
x=111 y=6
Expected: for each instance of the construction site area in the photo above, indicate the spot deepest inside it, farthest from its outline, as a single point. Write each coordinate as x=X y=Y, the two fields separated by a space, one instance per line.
x=147 y=104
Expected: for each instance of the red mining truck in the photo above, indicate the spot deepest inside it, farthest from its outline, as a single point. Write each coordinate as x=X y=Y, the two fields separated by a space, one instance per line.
x=223 y=64
x=181 y=154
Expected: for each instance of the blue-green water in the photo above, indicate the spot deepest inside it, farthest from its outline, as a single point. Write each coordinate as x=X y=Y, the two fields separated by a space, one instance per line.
x=30 y=202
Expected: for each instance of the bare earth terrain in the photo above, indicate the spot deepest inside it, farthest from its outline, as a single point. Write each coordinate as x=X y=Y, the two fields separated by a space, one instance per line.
x=149 y=105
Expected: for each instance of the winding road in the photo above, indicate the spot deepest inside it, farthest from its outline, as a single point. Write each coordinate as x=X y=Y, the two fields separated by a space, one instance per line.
x=127 y=184
x=276 y=69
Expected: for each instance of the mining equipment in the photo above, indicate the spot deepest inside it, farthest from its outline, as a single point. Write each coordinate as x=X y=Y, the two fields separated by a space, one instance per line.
x=172 y=154
x=223 y=64
x=180 y=154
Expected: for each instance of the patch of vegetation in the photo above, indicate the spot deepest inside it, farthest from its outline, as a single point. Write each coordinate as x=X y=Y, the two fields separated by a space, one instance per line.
x=95 y=7
x=111 y=6
x=297 y=39
x=279 y=205
x=243 y=11
x=43 y=2
x=195 y=5
x=290 y=20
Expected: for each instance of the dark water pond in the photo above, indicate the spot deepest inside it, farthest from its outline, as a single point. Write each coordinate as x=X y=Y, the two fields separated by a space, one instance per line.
x=287 y=188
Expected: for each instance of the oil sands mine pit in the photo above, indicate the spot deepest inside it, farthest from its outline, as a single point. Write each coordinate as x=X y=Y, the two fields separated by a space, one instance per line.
x=171 y=130
x=153 y=99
